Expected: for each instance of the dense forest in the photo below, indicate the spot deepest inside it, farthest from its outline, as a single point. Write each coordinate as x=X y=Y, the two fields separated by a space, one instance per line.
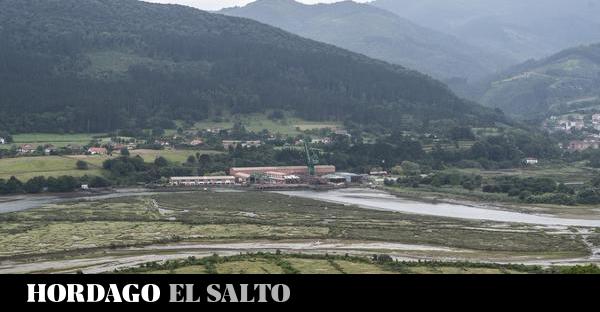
x=99 y=65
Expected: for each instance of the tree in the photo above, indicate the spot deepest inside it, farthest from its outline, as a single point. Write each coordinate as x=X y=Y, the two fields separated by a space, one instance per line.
x=99 y=182
x=204 y=159
x=589 y=197
x=594 y=160
x=158 y=132
x=161 y=162
x=461 y=133
x=410 y=168
x=596 y=181
x=82 y=165
x=62 y=184
x=397 y=170
x=276 y=115
x=35 y=185
x=125 y=151
x=191 y=159
x=13 y=186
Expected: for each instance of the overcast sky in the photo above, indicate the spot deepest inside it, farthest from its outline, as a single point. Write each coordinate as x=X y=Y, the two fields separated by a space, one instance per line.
x=219 y=4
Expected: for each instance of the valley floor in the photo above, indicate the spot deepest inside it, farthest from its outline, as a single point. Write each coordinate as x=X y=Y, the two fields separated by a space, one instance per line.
x=96 y=235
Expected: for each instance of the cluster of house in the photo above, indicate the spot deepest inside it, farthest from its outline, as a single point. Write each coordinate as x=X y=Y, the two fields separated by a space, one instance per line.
x=234 y=143
x=97 y=151
x=573 y=122
x=577 y=122
x=592 y=142
x=215 y=130
x=47 y=149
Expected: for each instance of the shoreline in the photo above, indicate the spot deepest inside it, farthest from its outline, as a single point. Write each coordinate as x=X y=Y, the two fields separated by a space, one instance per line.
x=435 y=197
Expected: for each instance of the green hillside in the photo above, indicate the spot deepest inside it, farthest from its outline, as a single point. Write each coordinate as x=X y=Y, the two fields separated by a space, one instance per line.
x=98 y=65
x=564 y=82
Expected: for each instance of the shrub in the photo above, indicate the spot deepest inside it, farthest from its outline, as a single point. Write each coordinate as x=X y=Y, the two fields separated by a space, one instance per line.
x=82 y=165
x=35 y=185
x=552 y=198
x=589 y=197
x=99 y=182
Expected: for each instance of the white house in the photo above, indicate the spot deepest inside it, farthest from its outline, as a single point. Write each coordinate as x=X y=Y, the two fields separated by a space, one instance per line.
x=530 y=161
x=2 y=141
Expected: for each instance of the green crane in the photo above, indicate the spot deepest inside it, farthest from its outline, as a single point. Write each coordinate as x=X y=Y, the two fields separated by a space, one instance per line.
x=311 y=159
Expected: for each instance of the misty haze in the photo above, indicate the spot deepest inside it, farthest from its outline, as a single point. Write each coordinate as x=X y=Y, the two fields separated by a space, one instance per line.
x=287 y=137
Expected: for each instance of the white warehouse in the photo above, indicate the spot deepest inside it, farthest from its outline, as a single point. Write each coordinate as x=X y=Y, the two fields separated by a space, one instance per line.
x=206 y=180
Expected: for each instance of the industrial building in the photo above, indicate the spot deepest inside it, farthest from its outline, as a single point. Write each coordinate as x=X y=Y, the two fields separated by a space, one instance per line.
x=261 y=175
x=205 y=180
x=289 y=170
x=276 y=175
x=344 y=177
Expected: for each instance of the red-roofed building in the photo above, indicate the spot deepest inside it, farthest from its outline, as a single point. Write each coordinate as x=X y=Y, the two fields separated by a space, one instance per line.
x=97 y=151
x=26 y=149
x=196 y=142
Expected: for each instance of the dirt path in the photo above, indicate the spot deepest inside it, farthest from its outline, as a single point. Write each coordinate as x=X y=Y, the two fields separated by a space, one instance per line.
x=128 y=257
x=110 y=260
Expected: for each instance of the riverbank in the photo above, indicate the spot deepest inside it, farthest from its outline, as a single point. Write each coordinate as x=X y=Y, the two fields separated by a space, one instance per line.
x=381 y=200
x=500 y=201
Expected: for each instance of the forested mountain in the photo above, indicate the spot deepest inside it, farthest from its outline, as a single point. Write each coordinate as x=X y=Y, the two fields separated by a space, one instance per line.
x=376 y=33
x=97 y=65
x=519 y=29
x=563 y=82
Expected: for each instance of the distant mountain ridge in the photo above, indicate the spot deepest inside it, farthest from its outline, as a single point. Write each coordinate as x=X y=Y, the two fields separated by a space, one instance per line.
x=100 y=65
x=563 y=82
x=378 y=34
x=517 y=29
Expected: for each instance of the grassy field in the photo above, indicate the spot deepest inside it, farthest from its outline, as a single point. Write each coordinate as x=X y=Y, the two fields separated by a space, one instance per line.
x=258 y=122
x=58 y=140
x=25 y=168
x=53 y=237
x=177 y=156
x=208 y=216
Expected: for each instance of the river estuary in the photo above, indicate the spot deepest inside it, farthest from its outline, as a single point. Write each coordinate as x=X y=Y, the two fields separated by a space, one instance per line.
x=365 y=198
x=379 y=200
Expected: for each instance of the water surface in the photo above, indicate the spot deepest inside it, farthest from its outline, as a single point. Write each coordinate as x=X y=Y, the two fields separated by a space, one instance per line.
x=379 y=200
